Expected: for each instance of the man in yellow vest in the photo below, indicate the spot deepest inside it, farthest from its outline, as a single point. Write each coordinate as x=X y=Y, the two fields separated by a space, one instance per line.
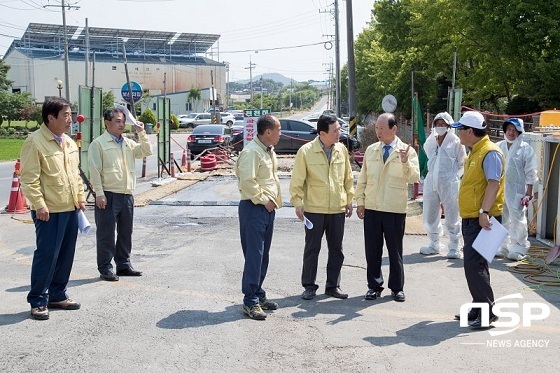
x=481 y=196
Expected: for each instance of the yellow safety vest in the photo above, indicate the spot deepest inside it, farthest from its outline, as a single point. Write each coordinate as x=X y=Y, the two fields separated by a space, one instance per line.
x=473 y=183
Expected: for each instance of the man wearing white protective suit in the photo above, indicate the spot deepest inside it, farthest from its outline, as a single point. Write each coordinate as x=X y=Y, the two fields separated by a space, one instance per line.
x=521 y=174
x=446 y=157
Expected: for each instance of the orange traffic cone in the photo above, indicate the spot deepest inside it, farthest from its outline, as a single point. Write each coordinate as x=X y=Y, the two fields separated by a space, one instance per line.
x=17 y=200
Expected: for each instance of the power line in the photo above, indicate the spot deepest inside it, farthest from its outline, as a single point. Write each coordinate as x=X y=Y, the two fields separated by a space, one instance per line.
x=273 y=49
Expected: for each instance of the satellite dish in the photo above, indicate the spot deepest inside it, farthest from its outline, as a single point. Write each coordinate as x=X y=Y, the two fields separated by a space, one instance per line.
x=389 y=103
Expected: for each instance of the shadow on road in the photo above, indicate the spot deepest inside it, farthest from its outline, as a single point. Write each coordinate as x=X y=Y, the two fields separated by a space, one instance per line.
x=422 y=334
x=348 y=309
x=13 y=318
x=198 y=318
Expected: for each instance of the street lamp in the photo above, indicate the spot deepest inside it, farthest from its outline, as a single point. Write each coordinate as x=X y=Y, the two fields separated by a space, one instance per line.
x=59 y=86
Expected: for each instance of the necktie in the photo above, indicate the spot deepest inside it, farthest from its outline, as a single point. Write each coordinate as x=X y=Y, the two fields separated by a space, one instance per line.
x=386 y=151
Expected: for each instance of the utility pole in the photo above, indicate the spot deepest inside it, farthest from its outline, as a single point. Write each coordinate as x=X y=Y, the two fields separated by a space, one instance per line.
x=228 y=94
x=352 y=110
x=251 y=67
x=261 y=92
x=451 y=105
x=291 y=89
x=328 y=72
x=331 y=88
x=214 y=113
x=87 y=53
x=337 y=59
x=65 y=37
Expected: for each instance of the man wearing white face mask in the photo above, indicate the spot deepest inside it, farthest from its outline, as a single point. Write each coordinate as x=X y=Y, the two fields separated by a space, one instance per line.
x=446 y=157
x=521 y=174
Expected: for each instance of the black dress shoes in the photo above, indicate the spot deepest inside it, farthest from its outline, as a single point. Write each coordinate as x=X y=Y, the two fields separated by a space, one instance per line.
x=398 y=296
x=472 y=315
x=336 y=293
x=308 y=294
x=109 y=276
x=477 y=324
x=373 y=294
x=128 y=272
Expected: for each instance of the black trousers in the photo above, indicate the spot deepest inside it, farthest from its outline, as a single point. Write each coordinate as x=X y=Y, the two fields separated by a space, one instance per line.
x=332 y=225
x=119 y=214
x=474 y=264
x=388 y=226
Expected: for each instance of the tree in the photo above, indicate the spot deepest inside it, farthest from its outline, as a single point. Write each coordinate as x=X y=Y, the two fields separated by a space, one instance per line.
x=11 y=104
x=4 y=82
x=108 y=100
x=505 y=49
x=31 y=113
x=195 y=94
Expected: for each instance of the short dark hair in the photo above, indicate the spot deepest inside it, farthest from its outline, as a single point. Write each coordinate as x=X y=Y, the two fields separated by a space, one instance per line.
x=265 y=122
x=479 y=132
x=391 y=121
x=53 y=106
x=325 y=121
x=109 y=114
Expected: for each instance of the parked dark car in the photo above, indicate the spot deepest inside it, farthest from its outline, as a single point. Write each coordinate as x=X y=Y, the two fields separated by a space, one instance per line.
x=295 y=133
x=207 y=136
x=237 y=135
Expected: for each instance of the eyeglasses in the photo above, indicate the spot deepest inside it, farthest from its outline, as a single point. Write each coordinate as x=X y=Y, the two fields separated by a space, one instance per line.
x=463 y=128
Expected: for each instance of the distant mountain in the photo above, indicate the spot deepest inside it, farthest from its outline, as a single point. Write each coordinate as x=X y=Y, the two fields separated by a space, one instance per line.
x=279 y=78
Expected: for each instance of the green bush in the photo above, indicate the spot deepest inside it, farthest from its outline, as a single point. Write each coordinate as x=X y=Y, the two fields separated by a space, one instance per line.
x=174 y=123
x=148 y=116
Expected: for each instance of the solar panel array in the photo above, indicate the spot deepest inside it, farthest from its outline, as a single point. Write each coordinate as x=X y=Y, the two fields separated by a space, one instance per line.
x=47 y=41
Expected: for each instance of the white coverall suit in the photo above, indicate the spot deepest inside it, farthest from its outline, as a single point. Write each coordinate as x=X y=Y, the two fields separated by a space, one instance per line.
x=441 y=185
x=521 y=170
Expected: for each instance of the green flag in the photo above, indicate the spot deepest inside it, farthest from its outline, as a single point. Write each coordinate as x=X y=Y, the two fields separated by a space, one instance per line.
x=422 y=157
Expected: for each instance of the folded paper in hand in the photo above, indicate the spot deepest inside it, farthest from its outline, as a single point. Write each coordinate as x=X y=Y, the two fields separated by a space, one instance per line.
x=83 y=223
x=307 y=222
x=488 y=242
x=129 y=118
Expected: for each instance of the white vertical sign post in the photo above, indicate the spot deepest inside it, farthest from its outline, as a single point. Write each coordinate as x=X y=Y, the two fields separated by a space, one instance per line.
x=250 y=124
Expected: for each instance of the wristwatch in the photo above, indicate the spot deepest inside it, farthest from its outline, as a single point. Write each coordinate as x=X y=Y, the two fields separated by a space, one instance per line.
x=481 y=211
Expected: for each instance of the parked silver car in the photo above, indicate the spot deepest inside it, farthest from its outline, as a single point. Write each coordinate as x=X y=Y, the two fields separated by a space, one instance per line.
x=194 y=119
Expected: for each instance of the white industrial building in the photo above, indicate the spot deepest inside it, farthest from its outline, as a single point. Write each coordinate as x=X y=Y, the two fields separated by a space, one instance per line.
x=161 y=62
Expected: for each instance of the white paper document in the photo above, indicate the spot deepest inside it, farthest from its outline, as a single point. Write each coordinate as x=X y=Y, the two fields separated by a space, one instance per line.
x=83 y=223
x=307 y=222
x=487 y=243
x=129 y=118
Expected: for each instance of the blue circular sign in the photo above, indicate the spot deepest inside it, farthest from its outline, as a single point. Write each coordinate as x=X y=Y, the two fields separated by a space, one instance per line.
x=136 y=92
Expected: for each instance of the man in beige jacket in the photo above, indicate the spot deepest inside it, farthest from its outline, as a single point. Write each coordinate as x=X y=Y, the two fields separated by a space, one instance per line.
x=259 y=188
x=112 y=174
x=322 y=187
x=381 y=195
x=50 y=179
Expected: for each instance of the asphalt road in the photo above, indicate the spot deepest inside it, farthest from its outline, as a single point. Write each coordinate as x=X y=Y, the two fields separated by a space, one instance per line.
x=184 y=314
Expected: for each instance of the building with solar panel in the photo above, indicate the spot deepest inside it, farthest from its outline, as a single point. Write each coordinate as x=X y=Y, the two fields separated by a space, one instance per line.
x=160 y=62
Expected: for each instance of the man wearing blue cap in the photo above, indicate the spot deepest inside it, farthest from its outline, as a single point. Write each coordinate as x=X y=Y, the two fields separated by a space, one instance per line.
x=481 y=196
x=521 y=174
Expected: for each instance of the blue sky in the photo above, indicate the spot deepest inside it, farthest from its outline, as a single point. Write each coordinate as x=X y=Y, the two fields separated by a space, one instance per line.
x=283 y=36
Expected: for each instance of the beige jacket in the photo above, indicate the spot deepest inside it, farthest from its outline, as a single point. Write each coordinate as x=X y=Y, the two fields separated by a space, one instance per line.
x=384 y=186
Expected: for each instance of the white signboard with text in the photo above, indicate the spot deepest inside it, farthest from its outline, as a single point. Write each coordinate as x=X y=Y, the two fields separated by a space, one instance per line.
x=250 y=124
